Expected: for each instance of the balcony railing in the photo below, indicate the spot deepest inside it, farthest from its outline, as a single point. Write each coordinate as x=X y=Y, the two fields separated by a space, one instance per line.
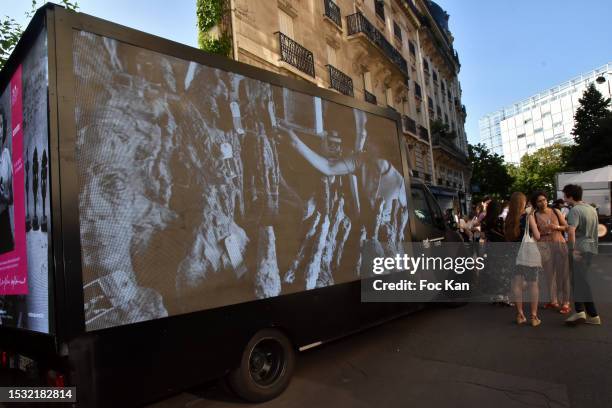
x=450 y=147
x=379 y=7
x=340 y=81
x=295 y=54
x=357 y=23
x=332 y=11
x=409 y=124
x=369 y=97
x=424 y=133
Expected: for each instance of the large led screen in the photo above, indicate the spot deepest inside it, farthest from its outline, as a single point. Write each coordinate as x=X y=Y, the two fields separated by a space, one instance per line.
x=25 y=223
x=201 y=188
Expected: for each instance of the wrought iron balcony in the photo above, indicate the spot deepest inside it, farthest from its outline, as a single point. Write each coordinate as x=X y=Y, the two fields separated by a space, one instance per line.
x=295 y=54
x=409 y=124
x=332 y=11
x=424 y=133
x=379 y=7
x=340 y=81
x=357 y=23
x=449 y=147
x=369 y=97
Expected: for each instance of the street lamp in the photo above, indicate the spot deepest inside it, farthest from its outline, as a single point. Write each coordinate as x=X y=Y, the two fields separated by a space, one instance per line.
x=601 y=79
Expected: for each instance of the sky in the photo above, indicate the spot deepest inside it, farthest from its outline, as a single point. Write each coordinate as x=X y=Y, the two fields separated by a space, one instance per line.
x=509 y=49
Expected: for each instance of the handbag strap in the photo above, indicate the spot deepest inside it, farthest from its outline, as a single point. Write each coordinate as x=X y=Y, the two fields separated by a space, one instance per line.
x=526 y=233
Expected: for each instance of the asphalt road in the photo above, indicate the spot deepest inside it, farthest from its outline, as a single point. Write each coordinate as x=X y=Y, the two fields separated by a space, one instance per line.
x=473 y=356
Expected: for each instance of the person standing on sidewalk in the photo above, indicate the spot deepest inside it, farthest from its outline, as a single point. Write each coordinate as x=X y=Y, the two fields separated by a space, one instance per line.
x=582 y=220
x=553 y=249
x=516 y=222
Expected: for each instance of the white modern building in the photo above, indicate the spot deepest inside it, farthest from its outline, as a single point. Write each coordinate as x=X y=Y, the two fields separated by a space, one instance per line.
x=542 y=119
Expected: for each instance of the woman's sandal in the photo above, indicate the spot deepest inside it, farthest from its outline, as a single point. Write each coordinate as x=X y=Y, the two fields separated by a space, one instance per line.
x=520 y=319
x=565 y=309
x=551 y=305
x=535 y=321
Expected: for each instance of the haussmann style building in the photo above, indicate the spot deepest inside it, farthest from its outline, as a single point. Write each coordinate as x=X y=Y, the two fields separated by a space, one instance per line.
x=387 y=52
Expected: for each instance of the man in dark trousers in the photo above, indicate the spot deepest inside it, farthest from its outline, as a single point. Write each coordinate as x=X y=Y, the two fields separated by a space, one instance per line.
x=583 y=241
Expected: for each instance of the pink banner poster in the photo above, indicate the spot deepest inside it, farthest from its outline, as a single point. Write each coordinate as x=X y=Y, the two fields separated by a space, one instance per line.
x=14 y=264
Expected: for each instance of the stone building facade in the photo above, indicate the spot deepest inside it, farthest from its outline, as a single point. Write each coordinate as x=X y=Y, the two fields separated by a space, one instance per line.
x=395 y=53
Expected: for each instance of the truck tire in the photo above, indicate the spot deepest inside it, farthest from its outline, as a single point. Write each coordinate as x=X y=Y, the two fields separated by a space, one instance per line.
x=266 y=367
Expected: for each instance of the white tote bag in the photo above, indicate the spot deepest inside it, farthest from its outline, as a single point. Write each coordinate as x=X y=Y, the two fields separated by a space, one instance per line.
x=528 y=254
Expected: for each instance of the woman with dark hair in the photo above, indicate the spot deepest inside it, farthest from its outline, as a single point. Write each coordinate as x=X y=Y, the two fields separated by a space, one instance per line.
x=493 y=224
x=516 y=222
x=6 y=189
x=493 y=229
x=551 y=224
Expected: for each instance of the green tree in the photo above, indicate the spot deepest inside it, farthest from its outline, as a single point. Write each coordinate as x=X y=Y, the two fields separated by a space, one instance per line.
x=593 y=147
x=489 y=172
x=11 y=30
x=441 y=129
x=537 y=170
x=213 y=33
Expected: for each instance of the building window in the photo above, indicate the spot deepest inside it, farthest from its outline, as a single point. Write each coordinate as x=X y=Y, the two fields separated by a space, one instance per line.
x=425 y=65
x=412 y=48
x=379 y=7
x=332 y=11
x=389 y=96
x=397 y=31
x=331 y=55
x=520 y=135
x=417 y=91
x=286 y=24
x=367 y=81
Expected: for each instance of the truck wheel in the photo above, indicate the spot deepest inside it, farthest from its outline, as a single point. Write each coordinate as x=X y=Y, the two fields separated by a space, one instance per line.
x=265 y=368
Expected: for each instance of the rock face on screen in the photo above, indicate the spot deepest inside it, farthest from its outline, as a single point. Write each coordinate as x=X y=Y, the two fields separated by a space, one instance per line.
x=201 y=188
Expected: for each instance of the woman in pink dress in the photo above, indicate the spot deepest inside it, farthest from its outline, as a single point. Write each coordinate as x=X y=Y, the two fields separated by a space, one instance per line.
x=553 y=249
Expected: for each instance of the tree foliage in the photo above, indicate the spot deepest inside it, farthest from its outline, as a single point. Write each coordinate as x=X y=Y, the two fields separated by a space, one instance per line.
x=593 y=147
x=537 y=170
x=210 y=38
x=441 y=129
x=209 y=13
x=489 y=173
x=11 y=30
